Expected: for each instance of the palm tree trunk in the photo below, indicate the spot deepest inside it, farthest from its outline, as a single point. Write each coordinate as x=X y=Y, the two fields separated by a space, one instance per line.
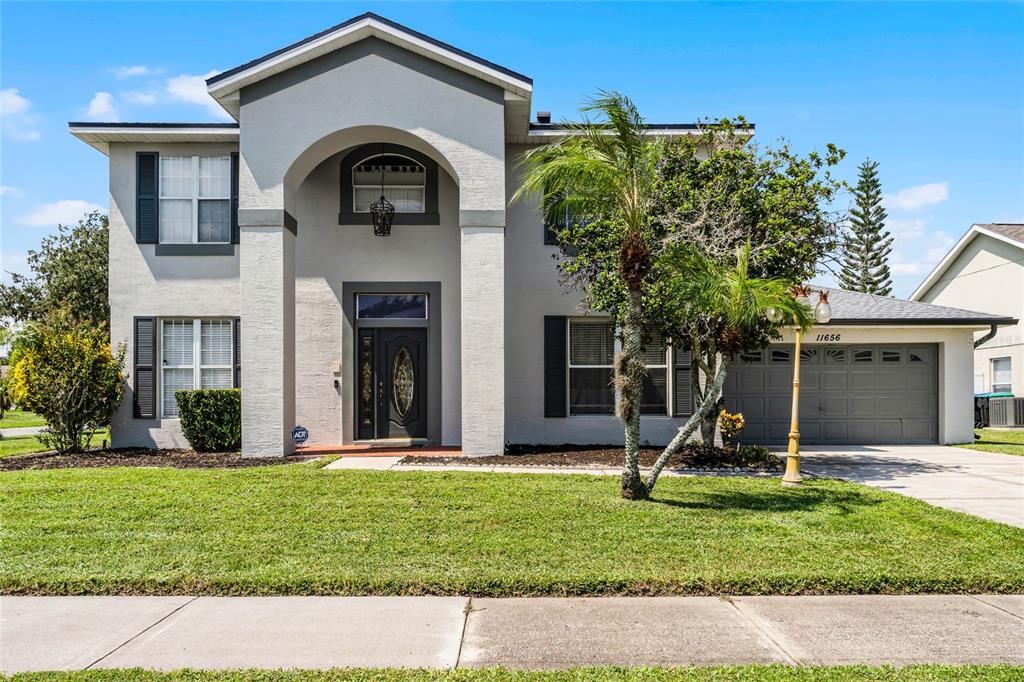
x=710 y=421
x=629 y=381
x=710 y=402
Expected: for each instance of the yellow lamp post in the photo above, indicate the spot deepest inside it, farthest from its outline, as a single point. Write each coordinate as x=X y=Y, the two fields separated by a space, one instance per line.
x=822 y=315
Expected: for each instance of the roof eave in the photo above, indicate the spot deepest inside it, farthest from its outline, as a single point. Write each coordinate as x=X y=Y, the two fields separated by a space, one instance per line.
x=980 y=323
x=99 y=136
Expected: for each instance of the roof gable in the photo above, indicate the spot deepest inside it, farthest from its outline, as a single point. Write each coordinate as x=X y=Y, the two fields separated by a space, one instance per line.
x=224 y=87
x=1010 y=233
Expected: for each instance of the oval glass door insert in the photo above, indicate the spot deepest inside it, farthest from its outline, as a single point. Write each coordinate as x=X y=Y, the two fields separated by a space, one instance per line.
x=403 y=380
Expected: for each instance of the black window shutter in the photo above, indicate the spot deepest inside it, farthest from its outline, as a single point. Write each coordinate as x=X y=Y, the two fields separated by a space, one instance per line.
x=238 y=352
x=145 y=368
x=555 y=366
x=147 y=197
x=234 y=199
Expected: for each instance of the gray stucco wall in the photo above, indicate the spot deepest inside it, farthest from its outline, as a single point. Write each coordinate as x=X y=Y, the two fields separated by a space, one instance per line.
x=143 y=284
x=327 y=255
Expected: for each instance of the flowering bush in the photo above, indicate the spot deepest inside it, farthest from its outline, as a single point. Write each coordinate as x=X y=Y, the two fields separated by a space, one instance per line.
x=65 y=372
x=730 y=425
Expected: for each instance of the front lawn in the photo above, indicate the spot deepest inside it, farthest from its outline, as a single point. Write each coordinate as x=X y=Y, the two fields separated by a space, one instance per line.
x=18 y=418
x=1005 y=441
x=300 y=529
x=23 y=445
x=738 y=673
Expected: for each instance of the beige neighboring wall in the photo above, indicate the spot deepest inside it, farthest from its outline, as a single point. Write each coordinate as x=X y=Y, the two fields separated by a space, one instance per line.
x=987 y=276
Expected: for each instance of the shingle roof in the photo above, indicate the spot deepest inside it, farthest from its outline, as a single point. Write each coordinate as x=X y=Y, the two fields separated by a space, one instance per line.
x=853 y=308
x=1014 y=231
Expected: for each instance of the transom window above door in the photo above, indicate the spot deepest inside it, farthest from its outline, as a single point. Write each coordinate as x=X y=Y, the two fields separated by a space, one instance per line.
x=391 y=306
x=195 y=199
x=402 y=180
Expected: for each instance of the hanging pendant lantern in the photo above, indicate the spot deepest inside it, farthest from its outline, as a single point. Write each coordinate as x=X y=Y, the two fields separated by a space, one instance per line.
x=382 y=212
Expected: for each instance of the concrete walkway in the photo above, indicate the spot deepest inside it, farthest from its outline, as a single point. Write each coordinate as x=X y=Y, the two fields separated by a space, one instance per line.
x=985 y=484
x=165 y=633
x=21 y=431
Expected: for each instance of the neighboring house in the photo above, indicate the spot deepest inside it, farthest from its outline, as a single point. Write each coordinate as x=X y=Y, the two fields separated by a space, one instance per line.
x=242 y=254
x=985 y=271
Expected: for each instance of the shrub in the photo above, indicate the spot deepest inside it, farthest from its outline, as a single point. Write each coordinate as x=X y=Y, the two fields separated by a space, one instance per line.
x=211 y=418
x=64 y=371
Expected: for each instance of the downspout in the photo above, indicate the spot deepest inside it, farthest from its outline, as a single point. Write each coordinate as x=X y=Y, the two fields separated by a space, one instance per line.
x=988 y=337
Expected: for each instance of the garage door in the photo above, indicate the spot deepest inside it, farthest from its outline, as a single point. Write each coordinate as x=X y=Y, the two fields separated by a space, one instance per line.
x=878 y=394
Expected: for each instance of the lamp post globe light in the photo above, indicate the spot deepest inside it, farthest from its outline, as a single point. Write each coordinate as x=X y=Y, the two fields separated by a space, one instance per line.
x=822 y=315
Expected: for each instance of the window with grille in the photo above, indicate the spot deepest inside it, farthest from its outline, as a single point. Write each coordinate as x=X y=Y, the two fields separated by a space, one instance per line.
x=194 y=354
x=404 y=183
x=655 y=393
x=591 y=353
x=195 y=199
x=1001 y=371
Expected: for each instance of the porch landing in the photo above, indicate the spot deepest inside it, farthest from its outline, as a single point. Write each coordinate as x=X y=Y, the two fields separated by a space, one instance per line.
x=378 y=450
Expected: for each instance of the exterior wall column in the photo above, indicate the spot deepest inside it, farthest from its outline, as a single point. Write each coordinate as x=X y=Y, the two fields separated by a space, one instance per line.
x=267 y=273
x=483 y=331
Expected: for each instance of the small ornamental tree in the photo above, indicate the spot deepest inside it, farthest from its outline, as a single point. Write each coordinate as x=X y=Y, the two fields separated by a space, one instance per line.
x=65 y=372
x=867 y=247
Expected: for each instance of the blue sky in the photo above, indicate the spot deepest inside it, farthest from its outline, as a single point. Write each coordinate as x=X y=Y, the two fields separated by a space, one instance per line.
x=934 y=92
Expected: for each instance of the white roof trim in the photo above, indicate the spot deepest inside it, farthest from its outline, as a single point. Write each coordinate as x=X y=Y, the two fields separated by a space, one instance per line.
x=353 y=33
x=99 y=137
x=957 y=249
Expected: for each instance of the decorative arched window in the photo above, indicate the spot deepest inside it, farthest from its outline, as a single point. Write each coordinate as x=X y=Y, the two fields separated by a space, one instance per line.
x=407 y=178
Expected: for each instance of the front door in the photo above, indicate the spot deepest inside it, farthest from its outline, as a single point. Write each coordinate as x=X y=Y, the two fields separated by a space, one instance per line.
x=391 y=382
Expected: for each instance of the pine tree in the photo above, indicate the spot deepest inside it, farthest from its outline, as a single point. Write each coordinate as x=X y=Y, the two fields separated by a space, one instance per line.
x=867 y=247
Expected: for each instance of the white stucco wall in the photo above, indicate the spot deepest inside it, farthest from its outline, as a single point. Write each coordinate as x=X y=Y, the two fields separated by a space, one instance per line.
x=144 y=284
x=988 y=277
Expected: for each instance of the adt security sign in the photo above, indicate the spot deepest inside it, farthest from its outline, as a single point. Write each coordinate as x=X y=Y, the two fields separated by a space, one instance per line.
x=300 y=434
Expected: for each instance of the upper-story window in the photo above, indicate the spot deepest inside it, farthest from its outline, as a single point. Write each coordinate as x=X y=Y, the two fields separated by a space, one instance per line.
x=402 y=180
x=407 y=177
x=195 y=199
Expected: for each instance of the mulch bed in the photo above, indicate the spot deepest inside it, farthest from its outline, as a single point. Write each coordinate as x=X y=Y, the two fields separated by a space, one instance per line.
x=137 y=457
x=611 y=456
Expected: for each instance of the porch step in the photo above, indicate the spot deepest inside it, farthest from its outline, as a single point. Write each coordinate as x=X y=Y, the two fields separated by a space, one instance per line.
x=380 y=450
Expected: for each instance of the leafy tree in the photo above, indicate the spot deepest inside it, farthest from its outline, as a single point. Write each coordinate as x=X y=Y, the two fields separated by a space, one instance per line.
x=604 y=175
x=64 y=371
x=868 y=245
x=716 y=192
x=69 y=269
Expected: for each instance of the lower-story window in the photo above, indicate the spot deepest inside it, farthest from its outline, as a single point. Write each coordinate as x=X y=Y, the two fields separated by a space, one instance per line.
x=1001 y=375
x=194 y=354
x=592 y=348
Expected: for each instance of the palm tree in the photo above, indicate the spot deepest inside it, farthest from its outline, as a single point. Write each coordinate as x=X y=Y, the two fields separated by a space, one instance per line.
x=738 y=307
x=606 y=170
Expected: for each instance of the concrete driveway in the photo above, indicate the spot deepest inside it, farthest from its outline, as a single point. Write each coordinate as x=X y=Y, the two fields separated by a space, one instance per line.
x=985 y=484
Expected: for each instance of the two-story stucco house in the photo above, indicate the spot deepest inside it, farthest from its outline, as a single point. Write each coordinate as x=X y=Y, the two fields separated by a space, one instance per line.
x=244 y=254
x=985 y=271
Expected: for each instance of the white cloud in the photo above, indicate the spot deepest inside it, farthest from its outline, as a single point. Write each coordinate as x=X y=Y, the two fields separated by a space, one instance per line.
x=65 y=212
x=925 y=254
x=138 y=97
x=910 y=228
x=192 y=89
x=123 y=72
x=101 y=107
x=919 y=196
x=7 y=189
x=18 y=120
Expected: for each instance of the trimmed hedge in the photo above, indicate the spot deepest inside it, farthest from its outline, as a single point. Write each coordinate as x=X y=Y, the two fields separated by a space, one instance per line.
x=211 y=418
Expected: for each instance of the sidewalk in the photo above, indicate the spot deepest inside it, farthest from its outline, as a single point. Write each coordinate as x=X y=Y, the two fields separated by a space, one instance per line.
x=15 y=431
x=50 y=633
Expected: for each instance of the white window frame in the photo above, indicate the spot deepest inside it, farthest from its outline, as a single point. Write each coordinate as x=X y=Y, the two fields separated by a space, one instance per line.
x=1009 y=370
x=195 y=198
x=669 y=368
x=414 y=162
x=197 y=366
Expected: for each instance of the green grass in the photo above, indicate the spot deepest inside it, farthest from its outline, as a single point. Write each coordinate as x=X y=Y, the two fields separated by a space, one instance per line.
x=19 y=418
x=1005 y=441
x=298 y=529
x=24 y=445
x=741 y=673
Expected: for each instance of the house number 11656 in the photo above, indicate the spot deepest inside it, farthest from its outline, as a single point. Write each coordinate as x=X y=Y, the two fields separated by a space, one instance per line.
x=827 y=337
